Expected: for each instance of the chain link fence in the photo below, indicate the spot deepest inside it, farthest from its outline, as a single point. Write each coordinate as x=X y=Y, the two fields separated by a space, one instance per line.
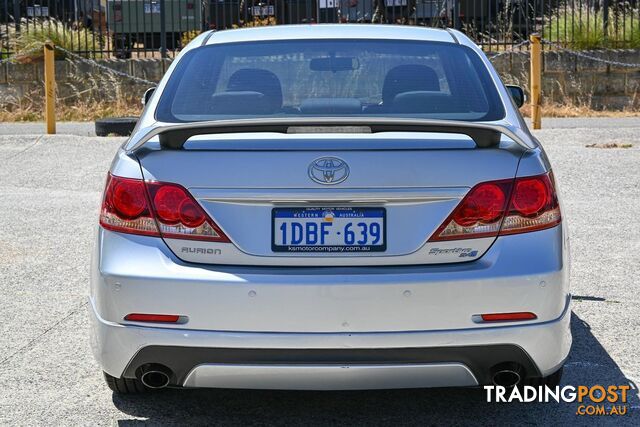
x=104 y=68
x=560 y=48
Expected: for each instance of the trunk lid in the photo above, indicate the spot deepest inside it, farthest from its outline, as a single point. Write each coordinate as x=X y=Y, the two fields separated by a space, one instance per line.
x=417 y=178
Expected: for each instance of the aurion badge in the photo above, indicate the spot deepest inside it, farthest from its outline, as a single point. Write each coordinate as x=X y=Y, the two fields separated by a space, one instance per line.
x=328 y=170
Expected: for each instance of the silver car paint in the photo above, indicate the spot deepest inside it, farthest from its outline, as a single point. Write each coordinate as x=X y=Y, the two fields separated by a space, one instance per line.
x=364 y=306
x=140 y=274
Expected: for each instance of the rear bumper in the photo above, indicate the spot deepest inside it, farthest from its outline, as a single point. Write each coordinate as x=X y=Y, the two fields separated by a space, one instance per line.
x=339 y=361
x=335 y=324
x=519 y=273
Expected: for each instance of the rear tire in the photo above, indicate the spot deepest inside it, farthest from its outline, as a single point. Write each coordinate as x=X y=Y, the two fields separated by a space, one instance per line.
x=552 y=380
x=125 y=385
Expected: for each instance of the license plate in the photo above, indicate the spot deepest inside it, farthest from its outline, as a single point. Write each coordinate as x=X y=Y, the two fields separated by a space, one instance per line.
x=329 y=230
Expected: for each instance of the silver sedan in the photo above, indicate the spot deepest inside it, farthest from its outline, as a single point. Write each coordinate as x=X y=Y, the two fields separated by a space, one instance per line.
x=330 y=207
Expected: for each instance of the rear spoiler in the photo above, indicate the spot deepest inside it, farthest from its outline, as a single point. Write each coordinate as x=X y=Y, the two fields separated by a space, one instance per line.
x=174 y=136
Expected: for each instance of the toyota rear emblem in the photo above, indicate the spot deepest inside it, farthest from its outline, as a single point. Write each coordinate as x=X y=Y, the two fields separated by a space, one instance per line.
x=328 y=170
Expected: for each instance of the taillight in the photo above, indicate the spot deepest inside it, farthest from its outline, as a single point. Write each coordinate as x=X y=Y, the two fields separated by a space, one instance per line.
x=125 y=207
x=179 y=215
x=503 y=207
x=155 y=209
x=534 y=205
x=479 y=214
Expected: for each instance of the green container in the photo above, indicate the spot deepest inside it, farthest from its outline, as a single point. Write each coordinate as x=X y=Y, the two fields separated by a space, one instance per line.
x=143 y=16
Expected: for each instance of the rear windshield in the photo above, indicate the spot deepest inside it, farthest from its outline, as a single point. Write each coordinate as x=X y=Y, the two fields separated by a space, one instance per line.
x=302 y=78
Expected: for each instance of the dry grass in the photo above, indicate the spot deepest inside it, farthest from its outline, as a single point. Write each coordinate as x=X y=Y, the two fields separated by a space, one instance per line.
x=84 y=111
x=572 y=110
x=81 y=97
x=93 y=110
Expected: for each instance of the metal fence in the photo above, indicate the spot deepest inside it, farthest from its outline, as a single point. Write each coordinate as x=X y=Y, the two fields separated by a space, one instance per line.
x=159 y=28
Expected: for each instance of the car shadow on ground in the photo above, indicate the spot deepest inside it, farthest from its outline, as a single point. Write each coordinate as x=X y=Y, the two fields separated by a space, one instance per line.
x=588 y=364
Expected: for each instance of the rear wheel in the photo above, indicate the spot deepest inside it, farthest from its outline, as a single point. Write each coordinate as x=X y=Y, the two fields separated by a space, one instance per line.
x=125 y=385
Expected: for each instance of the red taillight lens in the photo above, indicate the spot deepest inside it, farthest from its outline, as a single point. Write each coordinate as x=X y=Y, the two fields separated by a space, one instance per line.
x=125 y=207
x=534 y=205
x=167 y=202
x=190 y=214
x=479 y=214
x=503 y=207
x=484 y=204
x=128 y=198
x=173 y=213
x=530 y=196
x=179 y=215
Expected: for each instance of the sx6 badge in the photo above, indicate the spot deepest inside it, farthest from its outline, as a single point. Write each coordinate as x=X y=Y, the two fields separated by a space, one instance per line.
x=460 y=252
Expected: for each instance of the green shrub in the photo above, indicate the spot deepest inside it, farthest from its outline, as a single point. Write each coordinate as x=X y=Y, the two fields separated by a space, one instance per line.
x=582 y=28
x=28 y=44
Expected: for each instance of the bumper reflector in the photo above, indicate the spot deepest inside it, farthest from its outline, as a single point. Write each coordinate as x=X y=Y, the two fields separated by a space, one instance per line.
x=508 y=317
x=154 y=318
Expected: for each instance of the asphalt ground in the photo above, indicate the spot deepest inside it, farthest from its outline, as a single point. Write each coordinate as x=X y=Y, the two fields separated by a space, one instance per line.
x=50 y=190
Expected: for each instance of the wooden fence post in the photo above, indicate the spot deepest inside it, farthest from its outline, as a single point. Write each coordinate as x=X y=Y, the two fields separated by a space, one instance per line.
x=49 y=87
x=536 y=80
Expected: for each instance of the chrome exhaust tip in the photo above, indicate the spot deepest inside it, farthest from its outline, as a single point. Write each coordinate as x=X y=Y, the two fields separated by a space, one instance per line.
x=507 y=374
x=155 y=376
